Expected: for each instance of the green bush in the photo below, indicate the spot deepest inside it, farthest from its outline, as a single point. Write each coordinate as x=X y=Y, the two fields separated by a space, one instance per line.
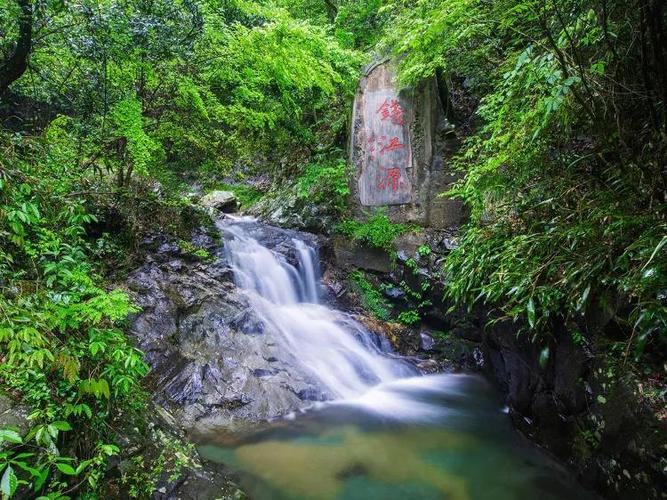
x=409 y=317
x=564 y=170
x=64 y=352
x=371 y=297
x=325 y=184
x=377 y=231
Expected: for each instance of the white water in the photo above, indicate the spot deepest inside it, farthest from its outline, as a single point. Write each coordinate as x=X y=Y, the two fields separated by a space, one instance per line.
x=452 y=428
x=333 y=348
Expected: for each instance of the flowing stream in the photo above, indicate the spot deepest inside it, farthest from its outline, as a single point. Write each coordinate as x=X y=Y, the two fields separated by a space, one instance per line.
x=385 y=431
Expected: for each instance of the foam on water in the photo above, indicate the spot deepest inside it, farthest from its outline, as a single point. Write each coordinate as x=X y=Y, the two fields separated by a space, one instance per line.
x=336 y=350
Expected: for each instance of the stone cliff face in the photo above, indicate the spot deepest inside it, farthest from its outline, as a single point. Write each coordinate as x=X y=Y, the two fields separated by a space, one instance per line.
x=400 y=144
x=576 y=406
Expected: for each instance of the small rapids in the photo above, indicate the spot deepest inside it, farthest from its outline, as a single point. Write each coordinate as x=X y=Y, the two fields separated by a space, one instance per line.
x=337 y=351
x=386 y=431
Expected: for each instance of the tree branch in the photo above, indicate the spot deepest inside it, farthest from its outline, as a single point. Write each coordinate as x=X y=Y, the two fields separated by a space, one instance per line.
x=15 y=65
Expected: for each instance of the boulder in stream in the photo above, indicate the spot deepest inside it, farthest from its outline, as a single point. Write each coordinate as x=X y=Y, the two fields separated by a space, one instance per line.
x=222 y=201
x=211 y=361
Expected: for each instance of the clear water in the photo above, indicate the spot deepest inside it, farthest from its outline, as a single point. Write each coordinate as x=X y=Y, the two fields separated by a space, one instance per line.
x=388 y=433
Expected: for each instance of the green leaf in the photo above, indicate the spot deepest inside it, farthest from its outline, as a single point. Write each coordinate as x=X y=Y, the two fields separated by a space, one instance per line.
x=62 y=425
x=103 y=386
x=41 y=479
x=82 y=466
x=9 y=482
x=10 y=436
x=66 y=469
x=583 y=298
x=530 y=309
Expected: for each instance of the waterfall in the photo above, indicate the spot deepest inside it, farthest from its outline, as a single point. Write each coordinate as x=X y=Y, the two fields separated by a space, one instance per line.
x=329 y=345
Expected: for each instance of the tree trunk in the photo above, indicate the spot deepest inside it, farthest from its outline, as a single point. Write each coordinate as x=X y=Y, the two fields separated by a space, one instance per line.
x=332 y=9
x=15 y=65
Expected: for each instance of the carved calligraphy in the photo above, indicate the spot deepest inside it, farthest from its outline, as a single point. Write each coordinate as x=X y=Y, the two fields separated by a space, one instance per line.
x=386 y=151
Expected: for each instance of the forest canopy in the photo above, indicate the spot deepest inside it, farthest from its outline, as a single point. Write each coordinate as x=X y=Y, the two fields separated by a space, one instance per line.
x=111 y=109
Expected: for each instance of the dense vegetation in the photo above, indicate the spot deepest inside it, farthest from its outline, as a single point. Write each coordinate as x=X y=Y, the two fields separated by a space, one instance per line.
x=112 y=109
x=566 y=169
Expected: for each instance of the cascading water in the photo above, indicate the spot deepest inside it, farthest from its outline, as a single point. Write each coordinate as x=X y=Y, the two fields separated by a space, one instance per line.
x=336 y=350
x=387 y=432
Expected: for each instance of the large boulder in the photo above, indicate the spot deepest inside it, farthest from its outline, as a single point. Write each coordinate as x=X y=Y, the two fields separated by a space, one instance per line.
x=285 y=208
x=212 y=358
x=401 y=146
x=13 y=414
x=221 y=201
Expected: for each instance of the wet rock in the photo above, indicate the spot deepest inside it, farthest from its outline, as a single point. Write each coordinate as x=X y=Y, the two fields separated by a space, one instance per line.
x=285 y=209
x=161 y=452
x=427 y=341
x=221 y=201
x=311 y=394
x=350 y=254
x=13 y=415
x=394 y=292
x=210 y=361
x=429 y=366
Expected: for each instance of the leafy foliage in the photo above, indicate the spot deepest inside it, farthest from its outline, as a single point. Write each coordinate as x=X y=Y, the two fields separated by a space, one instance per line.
x=64 y=353
x=565 y=174
x=377 y=231
x=328 y=183
x=371 y=298
x=123 y=104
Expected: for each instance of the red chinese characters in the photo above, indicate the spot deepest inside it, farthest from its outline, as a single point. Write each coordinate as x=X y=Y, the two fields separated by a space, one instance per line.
x=386 y=151
x=381 y=145
x=391 y=110
x=391 y=146
x=390 y=179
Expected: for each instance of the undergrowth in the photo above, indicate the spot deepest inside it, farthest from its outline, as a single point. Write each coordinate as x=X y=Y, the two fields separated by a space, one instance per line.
x=378 y=231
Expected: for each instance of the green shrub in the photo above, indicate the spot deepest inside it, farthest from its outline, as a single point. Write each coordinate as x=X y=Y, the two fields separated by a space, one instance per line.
x=378 y=231
x=189 y=249
x=325 y=183
x=564 y=168
x=371 y=297
x=64 y=352
x=409 y=317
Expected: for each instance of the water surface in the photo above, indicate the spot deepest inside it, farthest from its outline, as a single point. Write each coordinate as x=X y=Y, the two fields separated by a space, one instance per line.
x=387 y=432
x=432 y=437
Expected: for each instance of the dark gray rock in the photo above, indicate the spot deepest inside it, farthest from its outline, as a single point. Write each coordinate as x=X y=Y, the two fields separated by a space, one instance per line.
x=210 y=360
x=350 y=254
x=427 y=341
x=394 y=293
x=13 y=415
x=285 y=209
x=555 y=402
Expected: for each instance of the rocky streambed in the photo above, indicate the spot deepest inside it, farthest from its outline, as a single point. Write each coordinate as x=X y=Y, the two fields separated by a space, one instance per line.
x=213 y=361
x=253 y=361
